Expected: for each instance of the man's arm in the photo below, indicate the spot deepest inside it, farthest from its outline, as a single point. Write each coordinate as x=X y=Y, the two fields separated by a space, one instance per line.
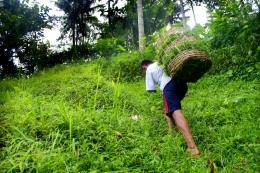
x=150 y=84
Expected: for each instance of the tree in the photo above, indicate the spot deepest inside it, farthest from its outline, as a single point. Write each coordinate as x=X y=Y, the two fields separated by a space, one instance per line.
x=155 y=16
x=234 y=34
x=191 y=3
x=140 y=23
x=21 y=25
x=78 y=18
x=175 y=13
x=182 y=12
x=113 y=16
x=130 y=25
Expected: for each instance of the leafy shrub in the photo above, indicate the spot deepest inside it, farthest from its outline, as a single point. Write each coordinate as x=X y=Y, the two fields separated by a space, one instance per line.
x=108 y=47
x=125 y=67
x=229 y=61
x=149 y=52
x=234 y=35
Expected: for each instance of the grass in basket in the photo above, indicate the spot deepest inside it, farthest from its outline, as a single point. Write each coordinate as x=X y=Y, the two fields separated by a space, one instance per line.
x=168 y=56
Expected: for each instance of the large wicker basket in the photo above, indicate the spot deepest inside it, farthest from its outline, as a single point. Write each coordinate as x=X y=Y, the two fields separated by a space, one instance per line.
x=171 y=31
x=174 y=44
x=189 y=65
x=181 y=54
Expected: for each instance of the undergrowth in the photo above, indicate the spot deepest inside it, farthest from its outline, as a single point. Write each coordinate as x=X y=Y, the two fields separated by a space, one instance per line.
x=73 y=118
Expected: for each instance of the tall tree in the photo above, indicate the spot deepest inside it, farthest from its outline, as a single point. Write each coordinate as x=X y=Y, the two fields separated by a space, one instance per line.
x=174 y=13
x=124 y=21
x=155 y=16
x=79 y=18
x=113 y=16
x=182 y=12
x=140 y=24
x=130 y=25
x=191 y=3
x=20 y=26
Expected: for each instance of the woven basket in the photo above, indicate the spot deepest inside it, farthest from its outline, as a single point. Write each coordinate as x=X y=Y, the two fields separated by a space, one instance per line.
x=176 y=42
x=189 y=65
x=174 y=30
x=181 y=40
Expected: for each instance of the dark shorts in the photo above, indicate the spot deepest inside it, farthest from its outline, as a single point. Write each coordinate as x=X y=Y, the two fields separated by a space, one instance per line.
x=173 y=93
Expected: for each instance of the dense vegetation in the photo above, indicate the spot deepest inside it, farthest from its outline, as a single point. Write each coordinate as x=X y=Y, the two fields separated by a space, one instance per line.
x=85 y=109
x=86 y=118
x=231 y=33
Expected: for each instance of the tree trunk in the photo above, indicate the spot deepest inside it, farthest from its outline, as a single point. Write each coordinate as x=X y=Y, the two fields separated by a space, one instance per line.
x=182 y=13
x=73 y=31
x=109 y=18
x=140 y=23
x=132 y=36
x=193 y=13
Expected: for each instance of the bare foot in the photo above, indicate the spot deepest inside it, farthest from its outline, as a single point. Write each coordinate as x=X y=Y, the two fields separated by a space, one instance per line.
x=193 y=151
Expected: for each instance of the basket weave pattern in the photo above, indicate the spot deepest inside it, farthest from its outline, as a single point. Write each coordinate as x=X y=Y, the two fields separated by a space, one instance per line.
x=189 y=65
x=171 y=31
x=176 y=42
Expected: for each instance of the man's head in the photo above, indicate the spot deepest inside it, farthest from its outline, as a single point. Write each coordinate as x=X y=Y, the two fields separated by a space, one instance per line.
x=145 y=63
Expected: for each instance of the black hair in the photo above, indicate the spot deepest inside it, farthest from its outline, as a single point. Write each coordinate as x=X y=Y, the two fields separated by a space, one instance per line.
x=146 y=62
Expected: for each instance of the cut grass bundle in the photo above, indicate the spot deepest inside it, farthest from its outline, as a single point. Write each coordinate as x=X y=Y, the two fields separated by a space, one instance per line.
x=183 y=55
x=170 y=33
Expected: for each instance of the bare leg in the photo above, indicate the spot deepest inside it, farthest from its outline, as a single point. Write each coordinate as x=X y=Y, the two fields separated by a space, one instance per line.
x=170 y=124
x=185 y=130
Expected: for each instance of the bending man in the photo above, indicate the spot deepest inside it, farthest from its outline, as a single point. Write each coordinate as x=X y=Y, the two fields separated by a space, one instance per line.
x=173 y=93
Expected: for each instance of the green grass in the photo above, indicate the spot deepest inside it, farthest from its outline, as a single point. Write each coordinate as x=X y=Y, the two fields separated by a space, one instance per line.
x=72 y=119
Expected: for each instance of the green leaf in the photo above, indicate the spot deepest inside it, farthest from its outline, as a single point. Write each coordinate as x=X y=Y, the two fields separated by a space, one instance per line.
x=246 y=26
x=257 y=65
x=249 y=69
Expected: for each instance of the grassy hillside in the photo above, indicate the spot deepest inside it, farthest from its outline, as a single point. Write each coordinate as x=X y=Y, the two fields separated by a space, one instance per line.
x=74 y=118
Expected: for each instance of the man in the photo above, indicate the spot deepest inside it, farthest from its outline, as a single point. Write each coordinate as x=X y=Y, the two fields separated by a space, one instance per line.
x=173 y=93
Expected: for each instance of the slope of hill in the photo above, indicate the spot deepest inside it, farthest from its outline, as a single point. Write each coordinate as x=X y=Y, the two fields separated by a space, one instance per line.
x=73 y=118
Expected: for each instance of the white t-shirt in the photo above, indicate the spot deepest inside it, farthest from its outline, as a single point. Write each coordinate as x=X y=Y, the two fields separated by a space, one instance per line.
x=155 y=75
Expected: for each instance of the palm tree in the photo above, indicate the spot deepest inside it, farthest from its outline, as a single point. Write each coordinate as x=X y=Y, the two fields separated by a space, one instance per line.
x=79 y=17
